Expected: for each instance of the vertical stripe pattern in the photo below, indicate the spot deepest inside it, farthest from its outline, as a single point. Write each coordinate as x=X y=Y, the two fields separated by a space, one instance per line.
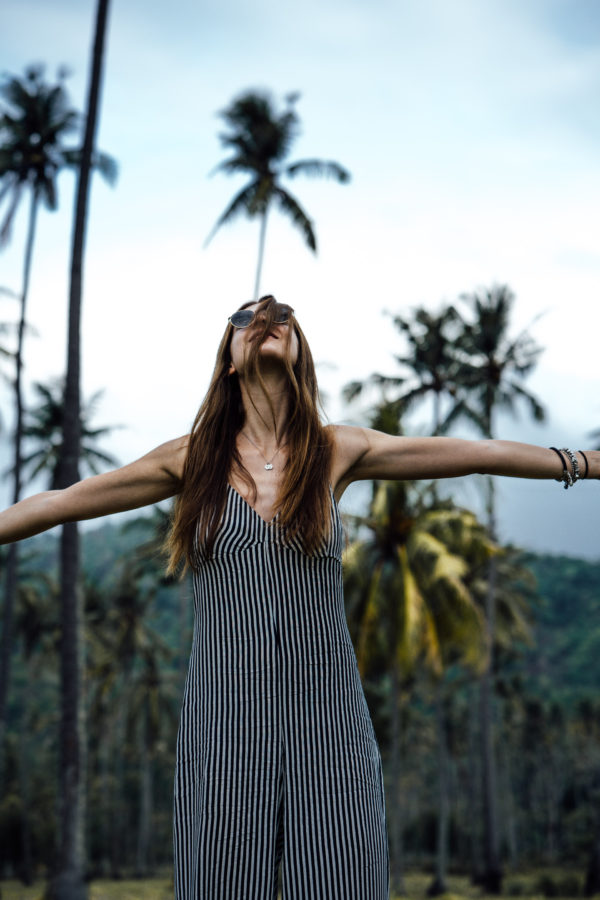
x=277 y=761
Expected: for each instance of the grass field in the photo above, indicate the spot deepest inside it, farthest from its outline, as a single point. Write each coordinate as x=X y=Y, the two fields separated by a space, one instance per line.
x=533 y=885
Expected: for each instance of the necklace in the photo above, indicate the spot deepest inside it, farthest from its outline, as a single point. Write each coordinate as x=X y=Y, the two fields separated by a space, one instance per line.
x=268 y=463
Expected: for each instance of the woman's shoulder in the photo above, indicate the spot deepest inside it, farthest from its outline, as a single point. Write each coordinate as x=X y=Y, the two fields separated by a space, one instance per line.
x=350 y=443
x=173 y=455
x=348 y=438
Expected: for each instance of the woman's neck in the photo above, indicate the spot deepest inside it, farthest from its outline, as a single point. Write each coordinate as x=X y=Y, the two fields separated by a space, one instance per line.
x=263 y=424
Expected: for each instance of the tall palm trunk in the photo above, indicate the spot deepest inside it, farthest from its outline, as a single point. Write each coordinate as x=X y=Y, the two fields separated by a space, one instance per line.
x=69 y=882
x=592 y=878
x=146 y=797
x=507 y=793
x=24 y=768
x=474 y=804
x=397 y=849
x=261 y=250
x=119 y=827
x=438 y=886
x=13 y=550
x=492 y=872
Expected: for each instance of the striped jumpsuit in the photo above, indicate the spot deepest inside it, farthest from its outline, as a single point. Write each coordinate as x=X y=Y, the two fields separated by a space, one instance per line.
x=277 y=760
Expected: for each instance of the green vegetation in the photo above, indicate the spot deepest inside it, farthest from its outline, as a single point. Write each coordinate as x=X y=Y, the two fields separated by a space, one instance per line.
x=561 y=884
x=138 y=633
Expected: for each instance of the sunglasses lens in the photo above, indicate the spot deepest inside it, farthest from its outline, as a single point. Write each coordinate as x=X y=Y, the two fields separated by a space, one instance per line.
x=244 y=317
x=241 y=318
x=282 y=314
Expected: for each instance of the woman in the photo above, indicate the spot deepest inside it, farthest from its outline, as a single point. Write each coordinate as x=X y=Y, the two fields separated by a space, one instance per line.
x=277 y=759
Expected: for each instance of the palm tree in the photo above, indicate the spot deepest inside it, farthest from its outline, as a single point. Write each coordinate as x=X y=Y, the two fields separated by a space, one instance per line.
x=151 y=707
x=35 y=120
x=411 y=605
x=120 y=639
x=260 y=139
x=36 y=624
x=152 y=552
x=68 y=882
x=43 y=428
x=432 y=366
x=431 y=362
x=6 y=328
x=491 y=372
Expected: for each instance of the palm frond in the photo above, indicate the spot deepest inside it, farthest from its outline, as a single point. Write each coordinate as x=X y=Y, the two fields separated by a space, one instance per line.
x=369 y=618
x=318 y=168
x=8 y=181
x=6 y=227
x=292 y=208
x=412 y=601
x=352 y=390
x=46 y=189
x=240 y=203
x=595 y=435
x=93 y=458
x=386 y=380
x=537 y=410
x=237 y=163
x=107 y=166
x=462 y=410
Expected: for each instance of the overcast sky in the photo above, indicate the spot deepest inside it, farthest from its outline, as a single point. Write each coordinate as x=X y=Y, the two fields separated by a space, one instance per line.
x=472 y=134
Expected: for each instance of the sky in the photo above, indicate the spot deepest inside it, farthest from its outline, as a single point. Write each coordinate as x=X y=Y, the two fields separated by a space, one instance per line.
x=472 y=134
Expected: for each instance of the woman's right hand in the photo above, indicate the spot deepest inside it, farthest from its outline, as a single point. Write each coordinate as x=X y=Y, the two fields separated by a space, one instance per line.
x=151 y=478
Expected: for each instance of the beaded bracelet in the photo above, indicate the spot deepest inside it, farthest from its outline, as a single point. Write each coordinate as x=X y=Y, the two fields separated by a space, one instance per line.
x=574 y=463
x=566 y=475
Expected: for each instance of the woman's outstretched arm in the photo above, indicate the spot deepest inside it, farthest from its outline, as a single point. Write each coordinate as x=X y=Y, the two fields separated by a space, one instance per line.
x=363 y=453
x=150 y=478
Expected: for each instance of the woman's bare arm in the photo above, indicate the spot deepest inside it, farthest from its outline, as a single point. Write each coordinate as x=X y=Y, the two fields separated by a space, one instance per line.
x=151 y=478
x=363 y=453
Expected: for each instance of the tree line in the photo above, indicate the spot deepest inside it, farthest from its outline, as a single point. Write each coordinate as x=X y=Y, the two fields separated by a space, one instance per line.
x=421 y=693
x=417 y=588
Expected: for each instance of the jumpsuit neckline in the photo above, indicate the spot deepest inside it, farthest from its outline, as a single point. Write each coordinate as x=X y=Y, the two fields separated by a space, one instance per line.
x=274 y=519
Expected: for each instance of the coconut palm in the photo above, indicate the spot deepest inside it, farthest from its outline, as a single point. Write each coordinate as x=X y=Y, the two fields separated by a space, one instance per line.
x=68 y=882
x=36 y=119
x=431 y=362
x=36 y=628
x=6 y=328
x=152 y=551
x=260 y=138
x=152 y=706
x=492 y=367
x=432 y=367
x=122 y=638
x=492 y=363
x=411 y=604
x=43 y=430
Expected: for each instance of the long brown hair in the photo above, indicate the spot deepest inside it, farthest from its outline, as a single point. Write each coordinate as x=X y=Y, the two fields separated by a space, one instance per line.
x=303 y=503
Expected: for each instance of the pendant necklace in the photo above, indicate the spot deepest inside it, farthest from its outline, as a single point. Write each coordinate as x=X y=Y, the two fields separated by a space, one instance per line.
x=268 y=464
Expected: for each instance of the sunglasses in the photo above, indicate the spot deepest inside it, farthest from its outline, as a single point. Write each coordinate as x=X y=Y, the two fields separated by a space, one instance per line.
x=244 y=317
